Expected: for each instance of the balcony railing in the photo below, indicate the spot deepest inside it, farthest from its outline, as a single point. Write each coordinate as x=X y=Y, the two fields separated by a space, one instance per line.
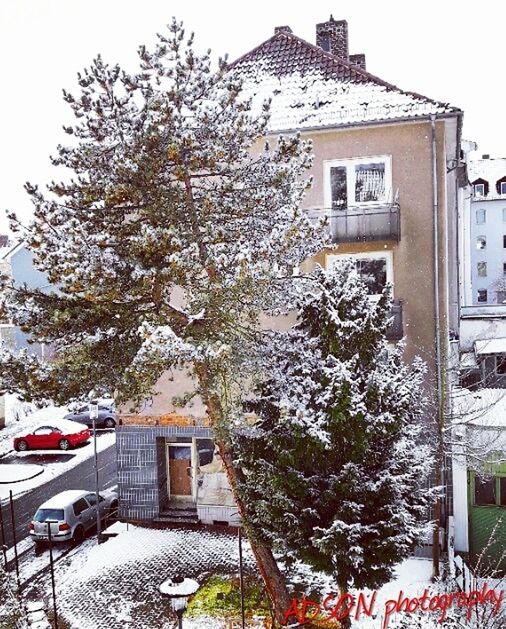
x=366 y=223
x=395 y=330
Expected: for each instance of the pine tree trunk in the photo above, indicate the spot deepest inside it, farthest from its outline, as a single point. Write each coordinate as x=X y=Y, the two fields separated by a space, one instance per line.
x=271 y=574
x=345 y=623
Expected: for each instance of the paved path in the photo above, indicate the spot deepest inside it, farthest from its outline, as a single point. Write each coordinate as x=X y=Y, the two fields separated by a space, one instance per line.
x=81 y=476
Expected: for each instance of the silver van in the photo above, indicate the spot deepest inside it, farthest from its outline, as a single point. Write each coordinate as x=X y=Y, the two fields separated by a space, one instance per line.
x=70 y=514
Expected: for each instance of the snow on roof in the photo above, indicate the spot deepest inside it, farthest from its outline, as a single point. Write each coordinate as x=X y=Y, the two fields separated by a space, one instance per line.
x=490 y=170
x=485 y=407
x=313 y=88
x=468 y=361
x=490 y=346
x=62 y=499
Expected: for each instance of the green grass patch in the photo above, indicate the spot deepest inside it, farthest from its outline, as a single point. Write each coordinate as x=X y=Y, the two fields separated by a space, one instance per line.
x=220 y=597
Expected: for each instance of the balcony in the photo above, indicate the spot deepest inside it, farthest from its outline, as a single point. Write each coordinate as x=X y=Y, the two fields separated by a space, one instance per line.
x=366 y=223
x=395 y=330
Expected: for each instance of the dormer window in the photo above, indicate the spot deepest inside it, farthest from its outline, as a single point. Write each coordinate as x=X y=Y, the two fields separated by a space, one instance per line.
x=480 y=187
x=501 y=185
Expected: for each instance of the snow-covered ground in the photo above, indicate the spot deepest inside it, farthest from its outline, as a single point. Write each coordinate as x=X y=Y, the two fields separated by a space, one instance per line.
x=18 y=473
x=116 y=584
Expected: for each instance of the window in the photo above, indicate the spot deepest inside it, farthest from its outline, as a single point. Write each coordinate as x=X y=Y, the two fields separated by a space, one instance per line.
x=375 y=267
x=479 y=190
x=503 y=187
x=356 y=182
x=48 y=514
x=484 y=491
x=504 y=215
x=481 y=242
x=500 y=365
x=504 y=242
x=504 y=268
x=80 y=506
x=482 y=269
x=482 y=295
x=43 y=430
x=481 y=216
x=92 y=498
x=501 y=296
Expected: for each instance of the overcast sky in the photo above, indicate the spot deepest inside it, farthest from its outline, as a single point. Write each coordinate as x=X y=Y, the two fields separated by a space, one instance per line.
x=440 y=49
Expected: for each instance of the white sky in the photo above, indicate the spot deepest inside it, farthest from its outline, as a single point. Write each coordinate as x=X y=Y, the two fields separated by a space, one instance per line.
x=438 y=48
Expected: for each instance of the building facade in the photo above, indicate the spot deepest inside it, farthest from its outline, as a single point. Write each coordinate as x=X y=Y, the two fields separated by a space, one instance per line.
x=386 y=174
x=488 y=230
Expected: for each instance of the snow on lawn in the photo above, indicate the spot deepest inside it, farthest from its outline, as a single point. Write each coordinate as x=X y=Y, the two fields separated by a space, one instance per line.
x=53 y=469
x=18 y=473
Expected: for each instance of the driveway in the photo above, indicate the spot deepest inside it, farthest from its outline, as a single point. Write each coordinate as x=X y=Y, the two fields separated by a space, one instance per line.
x=77 y=477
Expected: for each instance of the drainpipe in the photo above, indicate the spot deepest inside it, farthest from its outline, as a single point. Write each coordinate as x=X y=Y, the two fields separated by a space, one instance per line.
x=437 y=317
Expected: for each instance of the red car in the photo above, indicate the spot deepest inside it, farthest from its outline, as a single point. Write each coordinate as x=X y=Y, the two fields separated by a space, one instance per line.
x=61 y=436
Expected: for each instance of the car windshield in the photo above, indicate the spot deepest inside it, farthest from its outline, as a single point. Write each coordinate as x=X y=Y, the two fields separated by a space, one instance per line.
x=43 y=515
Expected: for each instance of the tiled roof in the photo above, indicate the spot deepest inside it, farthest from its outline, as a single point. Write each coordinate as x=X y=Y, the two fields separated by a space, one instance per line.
x=491 y=169
x=313 y=88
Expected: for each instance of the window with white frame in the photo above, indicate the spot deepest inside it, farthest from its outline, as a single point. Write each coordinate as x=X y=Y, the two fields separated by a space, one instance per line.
x=357 y=182
x=481 y=216
x=479 y=189
x=375 y=267
x=503 y=187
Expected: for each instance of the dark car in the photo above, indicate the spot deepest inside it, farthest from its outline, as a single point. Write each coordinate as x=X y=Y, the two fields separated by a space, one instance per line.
x=107 y=417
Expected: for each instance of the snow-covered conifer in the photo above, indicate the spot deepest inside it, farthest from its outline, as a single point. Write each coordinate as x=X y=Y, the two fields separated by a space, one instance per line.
x=335 y=470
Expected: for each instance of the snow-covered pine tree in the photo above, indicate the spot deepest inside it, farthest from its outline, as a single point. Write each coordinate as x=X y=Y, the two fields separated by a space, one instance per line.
x=335 y=472
x=165 y=242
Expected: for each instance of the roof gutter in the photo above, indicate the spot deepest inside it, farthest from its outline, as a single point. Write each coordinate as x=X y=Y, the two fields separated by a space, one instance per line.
x=371 y=123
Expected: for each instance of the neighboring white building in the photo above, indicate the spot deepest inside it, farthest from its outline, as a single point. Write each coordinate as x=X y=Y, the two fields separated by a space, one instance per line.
x=487 y=231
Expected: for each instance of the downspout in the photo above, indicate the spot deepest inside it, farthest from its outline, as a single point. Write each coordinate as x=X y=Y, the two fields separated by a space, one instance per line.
x=437 y=317
x=435 y=225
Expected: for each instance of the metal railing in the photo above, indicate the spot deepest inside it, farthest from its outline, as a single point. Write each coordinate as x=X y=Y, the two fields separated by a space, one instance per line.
x=365 y=223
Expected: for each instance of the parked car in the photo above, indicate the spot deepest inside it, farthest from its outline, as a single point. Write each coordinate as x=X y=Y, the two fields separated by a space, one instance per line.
x=62 y=435
x=107 y=417
x=71 y=514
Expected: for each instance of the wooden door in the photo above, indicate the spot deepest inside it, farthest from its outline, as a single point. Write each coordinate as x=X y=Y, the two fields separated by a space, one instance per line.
x=180 y=479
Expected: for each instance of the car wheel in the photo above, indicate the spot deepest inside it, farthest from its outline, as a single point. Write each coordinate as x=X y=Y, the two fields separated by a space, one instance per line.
x=112 y=512
x=78 y=534
x=109 y=423
x=64 y=444
x=22 y=446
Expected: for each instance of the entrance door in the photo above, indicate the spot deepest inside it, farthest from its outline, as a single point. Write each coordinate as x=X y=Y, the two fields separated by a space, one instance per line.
x=179 y=458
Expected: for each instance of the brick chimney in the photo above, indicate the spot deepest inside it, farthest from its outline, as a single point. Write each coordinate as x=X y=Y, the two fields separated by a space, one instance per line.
x=282 y=29
x=332 y=36
x=358 y=60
